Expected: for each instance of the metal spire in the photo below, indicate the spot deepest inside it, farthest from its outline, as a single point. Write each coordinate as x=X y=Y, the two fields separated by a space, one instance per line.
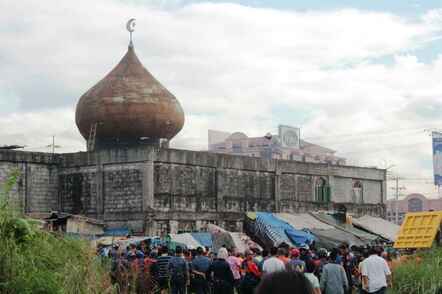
x=130 y=26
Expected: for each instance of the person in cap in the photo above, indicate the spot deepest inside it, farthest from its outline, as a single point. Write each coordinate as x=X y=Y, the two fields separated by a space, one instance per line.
x=305 y=254
x=296 y=263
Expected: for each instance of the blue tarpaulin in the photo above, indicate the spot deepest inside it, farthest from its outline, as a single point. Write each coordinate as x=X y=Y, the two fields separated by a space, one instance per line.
x=300 y=238
x=205 y=239
x=273 y=231
x=116 y=232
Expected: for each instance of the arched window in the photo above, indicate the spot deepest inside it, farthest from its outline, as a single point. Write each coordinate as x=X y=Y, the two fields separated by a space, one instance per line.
x=415 y=205
x=358 y=192
x=322 y=190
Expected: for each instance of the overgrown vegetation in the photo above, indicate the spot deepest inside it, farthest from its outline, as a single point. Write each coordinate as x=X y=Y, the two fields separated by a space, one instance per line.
x=35 y=261
x=421 y=274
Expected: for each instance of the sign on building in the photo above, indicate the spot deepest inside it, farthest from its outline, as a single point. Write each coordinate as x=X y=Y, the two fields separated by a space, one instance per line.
x=289 y=137
x=437 y=158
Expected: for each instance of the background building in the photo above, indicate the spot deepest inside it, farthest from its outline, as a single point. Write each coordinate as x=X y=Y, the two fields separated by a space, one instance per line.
x=287 y=145
x=412 y=203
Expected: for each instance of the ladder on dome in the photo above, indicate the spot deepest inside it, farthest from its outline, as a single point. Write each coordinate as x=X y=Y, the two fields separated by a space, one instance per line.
x=92 y=135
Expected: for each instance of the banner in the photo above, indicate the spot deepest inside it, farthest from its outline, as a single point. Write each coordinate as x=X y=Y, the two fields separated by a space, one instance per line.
x=437 y=158
x=289 y=137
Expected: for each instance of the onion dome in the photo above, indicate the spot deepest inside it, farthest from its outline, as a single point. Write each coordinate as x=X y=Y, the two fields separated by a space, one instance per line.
x=128 y=107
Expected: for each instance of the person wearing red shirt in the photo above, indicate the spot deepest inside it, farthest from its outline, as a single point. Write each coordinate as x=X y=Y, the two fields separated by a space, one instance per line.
x=252 y=275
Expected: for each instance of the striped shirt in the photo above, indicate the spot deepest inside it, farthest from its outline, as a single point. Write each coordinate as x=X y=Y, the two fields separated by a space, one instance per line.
x=163 y=266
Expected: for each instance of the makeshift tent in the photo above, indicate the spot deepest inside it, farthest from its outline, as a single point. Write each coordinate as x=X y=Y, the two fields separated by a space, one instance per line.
x=300 y=238
x=220 y=237
x=270 y=231
x=205 y=239
x=378 y=226
x=186 y=239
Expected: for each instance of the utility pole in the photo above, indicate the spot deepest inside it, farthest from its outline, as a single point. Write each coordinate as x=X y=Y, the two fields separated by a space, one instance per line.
x=397 y=189
x=396 y=218
x=53 y=146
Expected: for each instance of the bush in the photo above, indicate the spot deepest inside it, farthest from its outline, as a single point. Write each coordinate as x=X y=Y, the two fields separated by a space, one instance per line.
x=420 y=274
x=35 y=261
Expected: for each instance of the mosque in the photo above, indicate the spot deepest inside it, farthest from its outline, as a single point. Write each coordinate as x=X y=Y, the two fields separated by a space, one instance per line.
x=129 y=177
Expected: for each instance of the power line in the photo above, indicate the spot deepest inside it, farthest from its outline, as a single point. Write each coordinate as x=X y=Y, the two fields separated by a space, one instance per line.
x=376 y=132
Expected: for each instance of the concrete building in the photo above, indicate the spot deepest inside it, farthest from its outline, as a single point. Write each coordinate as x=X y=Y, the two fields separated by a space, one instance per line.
x=412 y=203
x=128 y=178
x=286 y=145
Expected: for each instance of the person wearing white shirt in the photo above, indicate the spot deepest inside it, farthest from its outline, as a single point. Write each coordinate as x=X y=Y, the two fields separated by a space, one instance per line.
x=376 y=275
x=273 y=264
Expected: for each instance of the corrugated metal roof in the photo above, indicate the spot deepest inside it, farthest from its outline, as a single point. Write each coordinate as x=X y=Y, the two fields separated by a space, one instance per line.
x=378 y=226
x=303 y=221
x=329 y=219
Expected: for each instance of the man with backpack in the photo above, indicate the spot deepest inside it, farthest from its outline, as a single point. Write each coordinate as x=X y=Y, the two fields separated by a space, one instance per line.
x=179 y=272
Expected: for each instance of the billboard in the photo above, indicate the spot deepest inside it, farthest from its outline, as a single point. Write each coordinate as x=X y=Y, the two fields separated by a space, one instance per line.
x=289 y=137
x=437 y=158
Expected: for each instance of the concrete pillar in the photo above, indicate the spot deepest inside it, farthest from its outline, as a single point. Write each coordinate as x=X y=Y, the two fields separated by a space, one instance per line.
x=148 y=182
x=173 y=225
x=331 y=182
x=100 y=191
x=277 y=187
x=199 y=225
x=383 y=192
x=219 y=196
x=26 y=200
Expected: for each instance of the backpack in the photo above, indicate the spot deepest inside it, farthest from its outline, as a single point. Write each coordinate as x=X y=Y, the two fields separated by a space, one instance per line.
x=178 y=271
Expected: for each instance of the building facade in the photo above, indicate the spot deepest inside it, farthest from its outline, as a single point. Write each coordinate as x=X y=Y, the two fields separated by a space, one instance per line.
x=412 y=203
x=157 y=190
x=287 y=145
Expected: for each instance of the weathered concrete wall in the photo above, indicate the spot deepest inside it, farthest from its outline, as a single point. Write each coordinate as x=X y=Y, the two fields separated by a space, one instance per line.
x=342 y=190
x=78 y=191
x=159 y=190
x=372 y=192
x=37 y=184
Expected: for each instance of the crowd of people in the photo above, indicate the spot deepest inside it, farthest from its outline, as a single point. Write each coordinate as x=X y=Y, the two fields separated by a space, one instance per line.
x=343 y=270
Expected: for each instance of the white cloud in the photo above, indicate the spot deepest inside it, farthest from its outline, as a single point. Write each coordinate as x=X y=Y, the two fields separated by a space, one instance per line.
x=230 y=66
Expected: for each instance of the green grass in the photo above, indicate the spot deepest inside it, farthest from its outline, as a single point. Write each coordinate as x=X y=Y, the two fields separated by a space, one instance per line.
x=35 y=261
x=424 y=276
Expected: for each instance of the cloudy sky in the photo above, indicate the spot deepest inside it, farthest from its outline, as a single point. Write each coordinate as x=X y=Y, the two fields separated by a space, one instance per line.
x=361 y=77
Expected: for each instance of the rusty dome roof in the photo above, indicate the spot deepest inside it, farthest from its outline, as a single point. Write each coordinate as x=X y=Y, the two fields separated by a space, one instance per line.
x=129 y=104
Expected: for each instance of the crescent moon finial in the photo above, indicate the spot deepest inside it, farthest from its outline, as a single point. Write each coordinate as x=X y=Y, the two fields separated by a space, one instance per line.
x=130 y=26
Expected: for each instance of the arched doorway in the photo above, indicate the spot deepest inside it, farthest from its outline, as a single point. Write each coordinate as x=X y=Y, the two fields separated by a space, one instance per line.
x=415 y=205
x=358 y=192
x=322 y=190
